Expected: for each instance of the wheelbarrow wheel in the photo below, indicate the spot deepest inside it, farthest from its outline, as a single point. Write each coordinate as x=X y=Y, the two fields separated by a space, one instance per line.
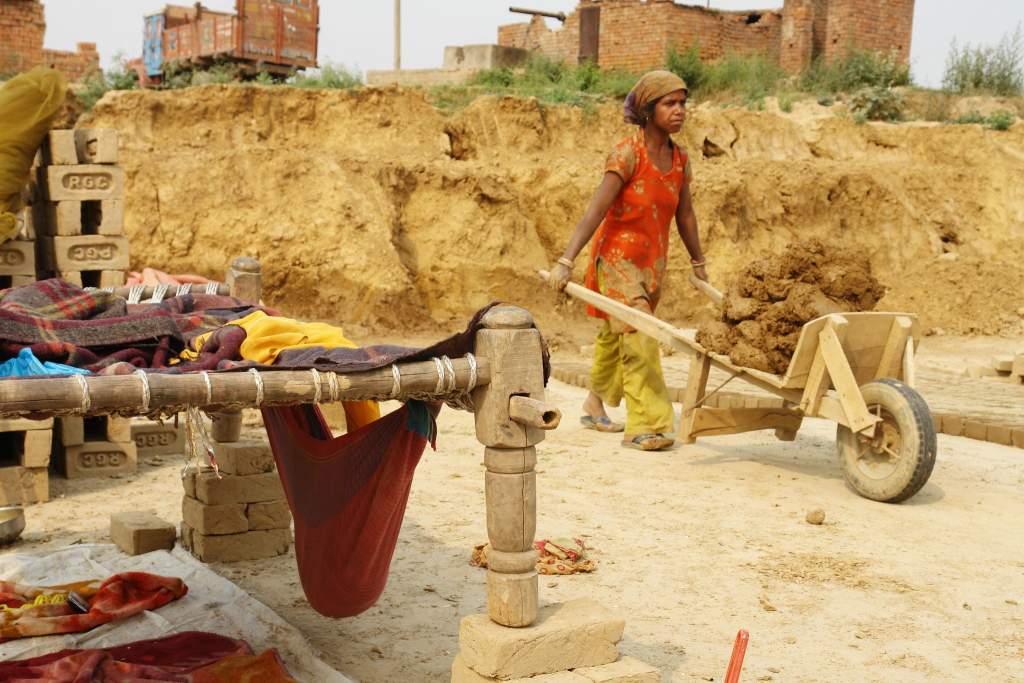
x=894 y=462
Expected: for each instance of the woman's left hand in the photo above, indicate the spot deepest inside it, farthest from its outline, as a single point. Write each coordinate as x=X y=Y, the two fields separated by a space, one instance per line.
x=702 y=273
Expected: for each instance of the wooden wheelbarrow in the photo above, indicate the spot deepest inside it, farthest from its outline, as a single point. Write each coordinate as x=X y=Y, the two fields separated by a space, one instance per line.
x=856 y=369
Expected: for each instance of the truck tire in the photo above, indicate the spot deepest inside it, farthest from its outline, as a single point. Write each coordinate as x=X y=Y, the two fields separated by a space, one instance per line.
x=896 y=463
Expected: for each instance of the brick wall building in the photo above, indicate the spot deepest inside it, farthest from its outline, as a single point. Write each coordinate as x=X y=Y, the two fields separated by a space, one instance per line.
x=637 y=34
x=22 y=27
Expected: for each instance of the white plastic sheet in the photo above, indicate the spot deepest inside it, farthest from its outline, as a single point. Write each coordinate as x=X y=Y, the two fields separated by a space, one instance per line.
x=213 y=604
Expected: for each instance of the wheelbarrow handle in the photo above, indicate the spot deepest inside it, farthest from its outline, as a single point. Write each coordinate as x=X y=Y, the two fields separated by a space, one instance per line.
x=716 y=296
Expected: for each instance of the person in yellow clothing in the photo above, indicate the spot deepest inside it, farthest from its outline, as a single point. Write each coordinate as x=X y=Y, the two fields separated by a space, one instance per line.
x=267 y=336
x=646 y=184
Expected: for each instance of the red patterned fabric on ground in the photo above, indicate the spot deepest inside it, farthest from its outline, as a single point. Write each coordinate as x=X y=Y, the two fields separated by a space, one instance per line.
x=191 y=657
x=27 y=611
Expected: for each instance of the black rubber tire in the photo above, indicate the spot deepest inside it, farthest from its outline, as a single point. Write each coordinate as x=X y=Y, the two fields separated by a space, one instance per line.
x=907 y=413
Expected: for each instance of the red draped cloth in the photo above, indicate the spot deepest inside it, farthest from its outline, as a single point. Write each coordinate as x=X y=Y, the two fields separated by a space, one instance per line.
x=347 y=495
x=191 y=657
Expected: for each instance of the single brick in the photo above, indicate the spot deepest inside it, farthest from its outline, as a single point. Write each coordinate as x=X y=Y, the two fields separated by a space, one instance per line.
x=154 y=438
x=71 y=431
x=96 y=145
x=1000 y=434
x=214 y=520
x=626 y=670
x=83 y=182
x=118 y=429
x=463 y=674
x=25 y=425
x=974 y=429
x=136 y=533
x=244 y=457
x=252 y=545
x=98 y=459
x=186 y=537
x=953 y=425
x=578 y=633
x=23 y=485
x=17 y=257
x=226 y=427
x=273 y=515
x=38 y=444
x=255 y=488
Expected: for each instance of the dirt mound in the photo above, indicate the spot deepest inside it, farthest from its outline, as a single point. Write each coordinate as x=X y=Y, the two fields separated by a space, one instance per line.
x=373 y=208
x=773 y=298
x=963 y=296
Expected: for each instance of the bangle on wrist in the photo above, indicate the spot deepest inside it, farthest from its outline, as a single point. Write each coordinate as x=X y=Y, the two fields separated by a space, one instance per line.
x=565 y=262
x=698 y=264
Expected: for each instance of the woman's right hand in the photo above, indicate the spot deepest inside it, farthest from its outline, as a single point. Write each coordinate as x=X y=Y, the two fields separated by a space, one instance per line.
x=559 y=277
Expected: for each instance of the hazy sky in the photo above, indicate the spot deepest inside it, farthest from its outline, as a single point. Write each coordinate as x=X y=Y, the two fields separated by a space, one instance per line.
x=359 y=33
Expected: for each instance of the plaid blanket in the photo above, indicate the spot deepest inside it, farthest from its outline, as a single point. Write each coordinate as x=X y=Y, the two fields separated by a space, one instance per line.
x=96 y=330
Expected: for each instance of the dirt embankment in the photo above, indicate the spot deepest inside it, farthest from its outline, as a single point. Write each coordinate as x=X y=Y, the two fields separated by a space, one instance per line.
x=372 y=208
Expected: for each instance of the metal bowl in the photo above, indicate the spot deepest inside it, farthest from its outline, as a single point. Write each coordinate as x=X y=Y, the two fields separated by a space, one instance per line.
x=12 y=523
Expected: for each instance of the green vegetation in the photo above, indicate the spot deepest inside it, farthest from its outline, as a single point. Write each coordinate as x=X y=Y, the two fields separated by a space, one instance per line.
x=98 y=83
x=992 y=70
x=329 y=77
x=877 y=103
x=748 y=79
x=857 y=70
x=1000 y=120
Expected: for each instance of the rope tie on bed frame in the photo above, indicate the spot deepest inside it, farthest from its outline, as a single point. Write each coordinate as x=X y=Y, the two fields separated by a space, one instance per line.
x=396 y=384
x=147 y=394
x=332 y=381
x=211 y=287
x=135 y=294
x=259 y=386
x=183 y=289
x=86 y=399
x=158 y=294
x=316 y=386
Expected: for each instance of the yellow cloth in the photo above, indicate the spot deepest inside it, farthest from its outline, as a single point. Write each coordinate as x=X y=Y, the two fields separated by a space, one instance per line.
x=267 y=336
x=629 y=365
x=29 y=103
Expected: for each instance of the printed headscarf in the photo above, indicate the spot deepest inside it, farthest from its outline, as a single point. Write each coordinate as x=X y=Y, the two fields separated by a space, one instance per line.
x=651 y=86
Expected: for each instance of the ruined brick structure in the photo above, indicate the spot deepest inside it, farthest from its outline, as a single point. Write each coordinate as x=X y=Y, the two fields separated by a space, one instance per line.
x=22 y=27
x=637 y=34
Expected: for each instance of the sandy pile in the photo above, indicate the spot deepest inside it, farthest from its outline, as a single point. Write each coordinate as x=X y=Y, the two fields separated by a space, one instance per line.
x=774 y=297
x=375 y=209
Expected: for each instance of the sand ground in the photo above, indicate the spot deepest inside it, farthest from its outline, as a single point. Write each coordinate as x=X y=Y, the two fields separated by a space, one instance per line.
x=692 y=545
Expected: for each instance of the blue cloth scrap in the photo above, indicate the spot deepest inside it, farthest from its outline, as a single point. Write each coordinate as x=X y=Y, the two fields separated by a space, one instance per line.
x=27 y=365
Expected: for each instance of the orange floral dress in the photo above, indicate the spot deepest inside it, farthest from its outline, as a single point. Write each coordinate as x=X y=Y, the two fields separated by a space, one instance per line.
x=630 y=248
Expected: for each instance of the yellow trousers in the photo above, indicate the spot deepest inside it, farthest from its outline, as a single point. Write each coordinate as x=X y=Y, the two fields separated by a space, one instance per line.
x=629 y=364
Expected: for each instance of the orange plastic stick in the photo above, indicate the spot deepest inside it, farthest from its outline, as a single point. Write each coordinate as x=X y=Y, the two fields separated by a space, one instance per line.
x=739 y=650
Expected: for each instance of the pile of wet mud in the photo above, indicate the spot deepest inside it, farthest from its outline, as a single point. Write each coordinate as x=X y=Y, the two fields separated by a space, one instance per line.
x=774 y=297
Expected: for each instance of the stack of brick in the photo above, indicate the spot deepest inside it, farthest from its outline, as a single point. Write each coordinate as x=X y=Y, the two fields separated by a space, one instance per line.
x=24 y=461
x=80 y=226
x=572 y=642
x=94 y=446
x=243 y=514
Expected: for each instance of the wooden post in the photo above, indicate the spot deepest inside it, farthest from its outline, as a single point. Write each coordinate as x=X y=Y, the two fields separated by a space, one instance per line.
x=696 y=385
x=245 y=280
x=246 y=283
x=512 y=347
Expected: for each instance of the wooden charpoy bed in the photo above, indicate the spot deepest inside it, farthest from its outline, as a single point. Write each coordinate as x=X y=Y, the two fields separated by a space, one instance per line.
x=503 y=383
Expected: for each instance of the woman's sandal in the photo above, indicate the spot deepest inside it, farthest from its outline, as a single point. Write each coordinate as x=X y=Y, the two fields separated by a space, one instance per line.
x=601 y=424
x=649 y=442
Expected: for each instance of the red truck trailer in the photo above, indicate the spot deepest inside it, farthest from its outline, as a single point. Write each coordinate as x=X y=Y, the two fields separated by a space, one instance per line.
x=276 y=36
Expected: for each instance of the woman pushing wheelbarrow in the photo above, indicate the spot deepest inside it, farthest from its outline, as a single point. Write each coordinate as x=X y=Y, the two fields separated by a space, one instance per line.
x=646 y=183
